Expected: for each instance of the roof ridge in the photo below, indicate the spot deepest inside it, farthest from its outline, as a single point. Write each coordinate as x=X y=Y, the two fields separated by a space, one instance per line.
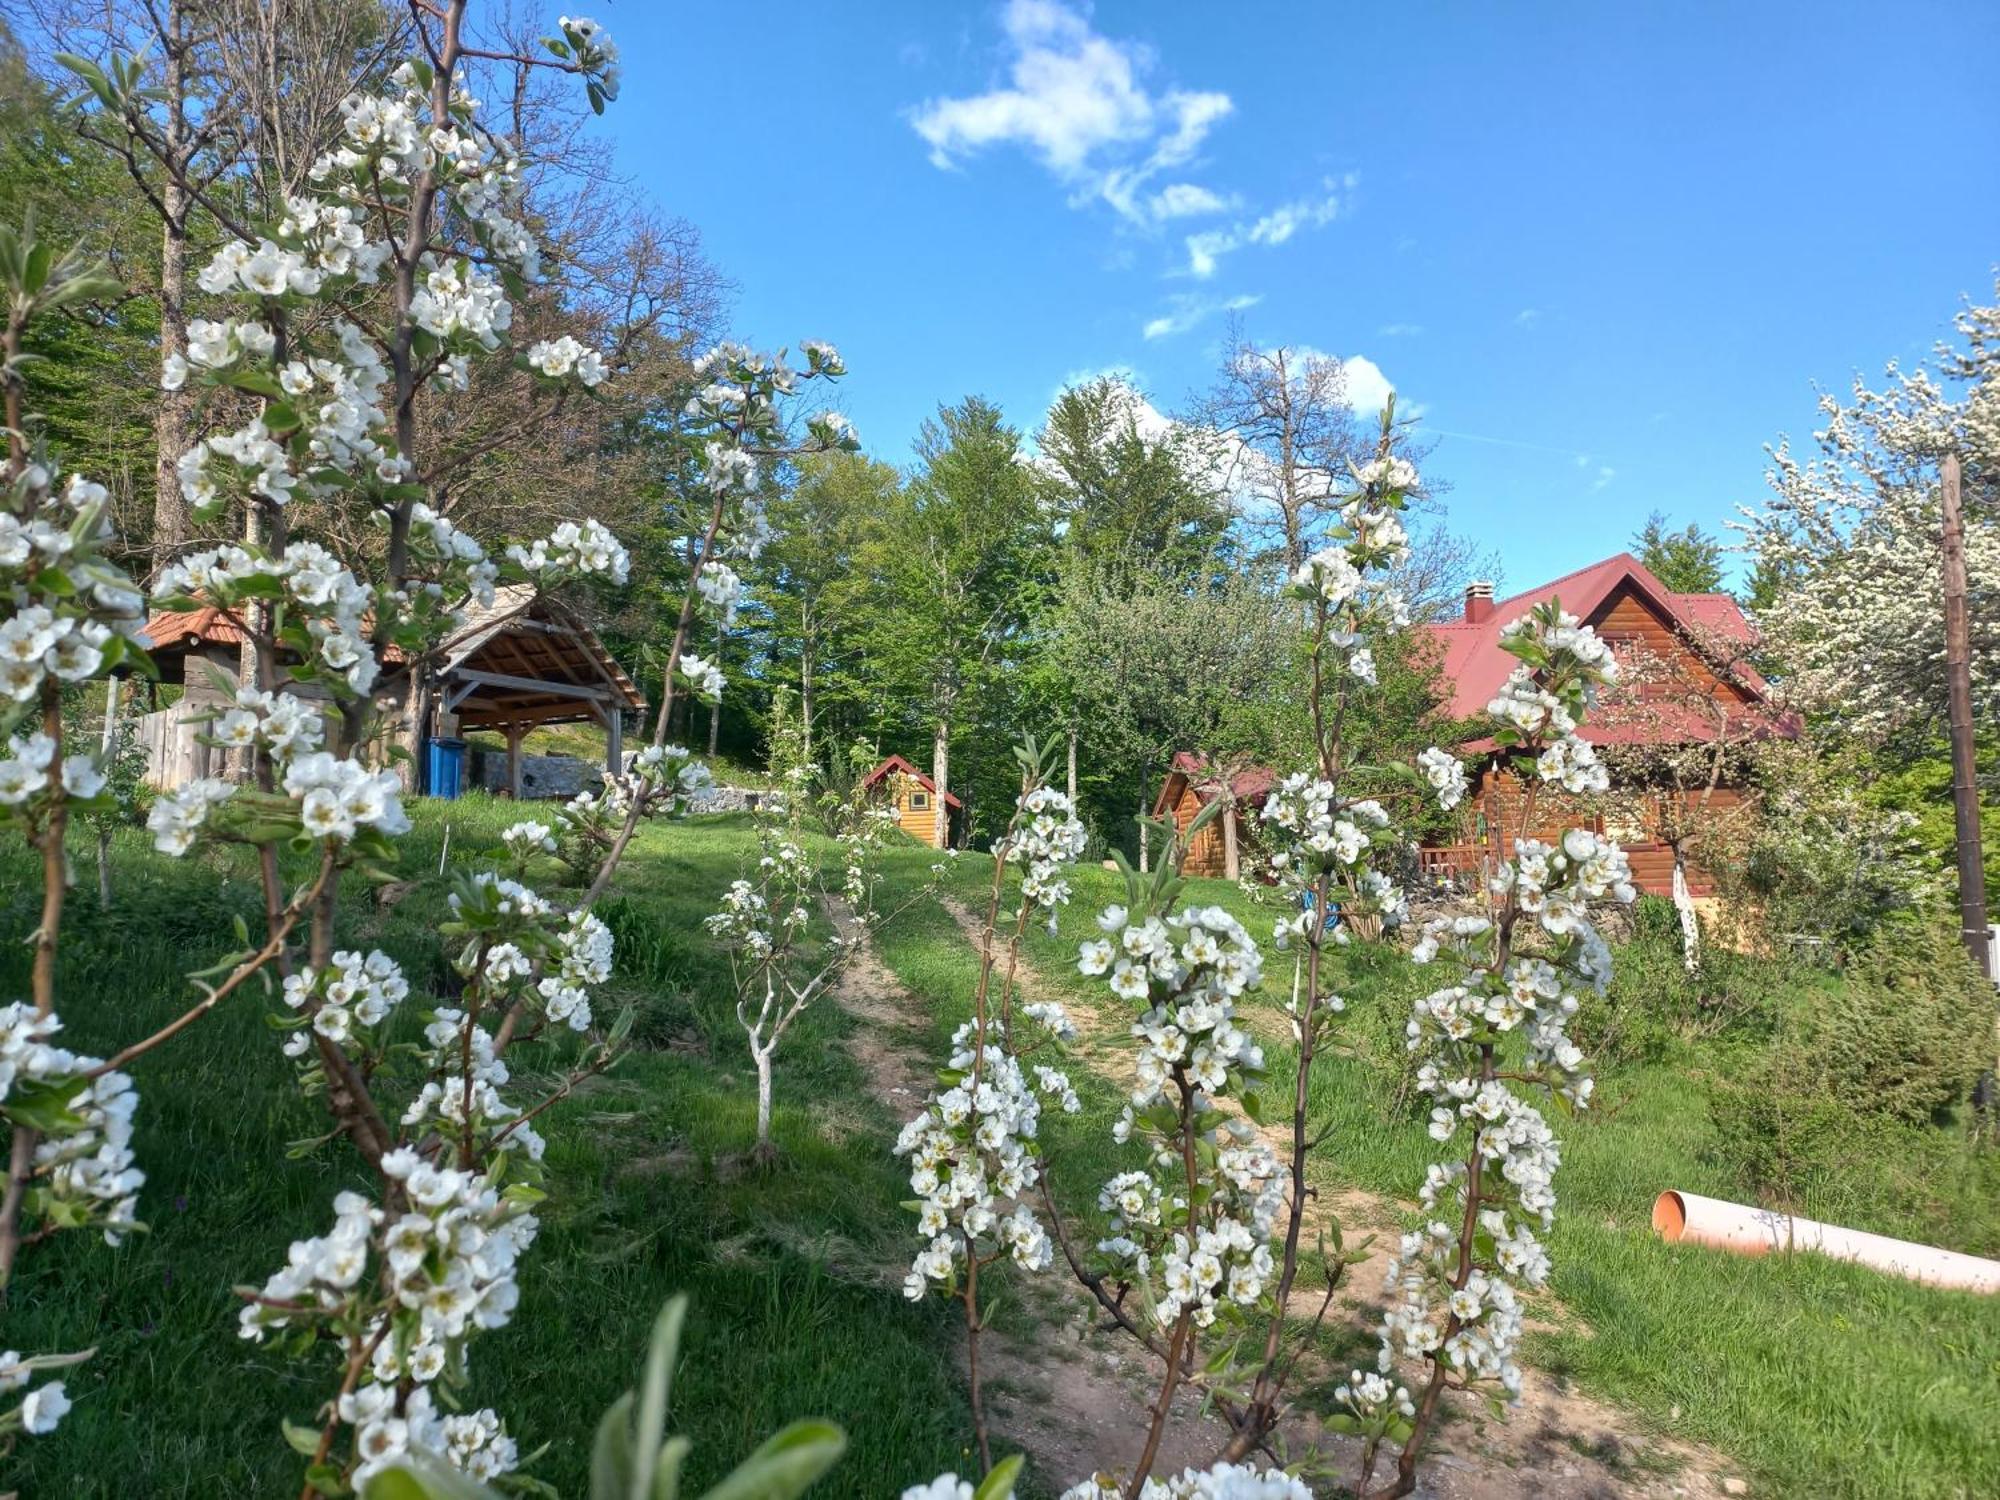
x=1565 y=578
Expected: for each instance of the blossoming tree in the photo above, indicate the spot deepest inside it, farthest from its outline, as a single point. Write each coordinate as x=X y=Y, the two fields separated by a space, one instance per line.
x=388 y=279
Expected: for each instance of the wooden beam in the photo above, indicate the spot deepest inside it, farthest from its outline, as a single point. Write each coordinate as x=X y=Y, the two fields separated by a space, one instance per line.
x=514 y=735
x=535 y=713
x=533 y=685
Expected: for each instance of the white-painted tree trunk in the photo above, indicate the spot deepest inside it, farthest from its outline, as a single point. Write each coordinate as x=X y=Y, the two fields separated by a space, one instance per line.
x=763 y=1059
x=1690 y=918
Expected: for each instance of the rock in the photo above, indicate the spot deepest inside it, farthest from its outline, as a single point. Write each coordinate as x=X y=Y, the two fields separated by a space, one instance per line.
x=1734 y=1486
x=722 y=799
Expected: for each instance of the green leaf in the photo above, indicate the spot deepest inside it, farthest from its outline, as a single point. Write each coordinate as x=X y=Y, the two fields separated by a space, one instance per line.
x=420 y=1476
x=999 y=1484
x=44 y=1105
x=652 y=1416
x=611 y=1454
x=786 y=1465
x=303 y=1439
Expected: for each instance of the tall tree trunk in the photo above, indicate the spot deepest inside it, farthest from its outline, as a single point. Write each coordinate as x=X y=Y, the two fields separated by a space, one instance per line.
x=1690 y=917
x=1143 y=831
x=1232 y=861
x=173 y=411
x=806 y=696
x=1070 y=780
x=940 y=773
x=108 y=750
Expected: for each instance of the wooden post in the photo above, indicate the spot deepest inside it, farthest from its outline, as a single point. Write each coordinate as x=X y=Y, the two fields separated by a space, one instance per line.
x=1964 y=763
x=614 y=741
x=515 y=733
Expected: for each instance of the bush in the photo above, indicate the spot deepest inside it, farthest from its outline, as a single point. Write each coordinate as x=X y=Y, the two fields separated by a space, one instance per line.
x=1840 y=1115
x=1908 y=1034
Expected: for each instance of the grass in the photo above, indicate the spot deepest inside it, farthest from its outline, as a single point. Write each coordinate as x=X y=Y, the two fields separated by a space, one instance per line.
x=1816 y=1378
x=795 y=1309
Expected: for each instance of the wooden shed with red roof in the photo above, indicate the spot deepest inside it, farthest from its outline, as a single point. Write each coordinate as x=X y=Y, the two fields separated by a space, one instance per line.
x=1702 y=638
x=1192 y=783
x=921 y=811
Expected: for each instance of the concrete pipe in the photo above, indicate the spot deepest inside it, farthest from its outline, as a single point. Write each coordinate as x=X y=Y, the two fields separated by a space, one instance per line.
x=1688 y=1217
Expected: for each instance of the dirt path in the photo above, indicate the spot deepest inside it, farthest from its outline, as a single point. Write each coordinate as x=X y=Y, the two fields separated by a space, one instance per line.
x=1556 y=1442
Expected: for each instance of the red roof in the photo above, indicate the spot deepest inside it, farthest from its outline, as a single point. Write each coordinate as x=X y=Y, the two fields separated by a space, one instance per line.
x=897 y=763
x=192 y=627
x=1247 y=784
x=1475 y=666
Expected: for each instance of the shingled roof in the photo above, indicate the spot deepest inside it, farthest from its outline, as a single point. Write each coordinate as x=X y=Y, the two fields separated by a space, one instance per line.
x=1474 y=665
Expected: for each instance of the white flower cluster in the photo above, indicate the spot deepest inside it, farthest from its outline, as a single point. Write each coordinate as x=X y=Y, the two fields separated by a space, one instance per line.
x=454 y=1099
x=177 y=816
x=1446 y=774
x=1188 y=971
x=1387 y=473
x=581 y=549
x=354 y=994
x=583 y=955
x=85 y=1167
x=594 y=50
x=973 y=1162
x=213 y=345
x=333 y=602
x=1045 y=839
x=525 y=839
x=559 y=357
x=1572 y=764
x=338 y=798
x=280 y=723
x=1221 y=1481
x=704 y=678
x=36 y=643
x=24 y=771
x=443 y=1269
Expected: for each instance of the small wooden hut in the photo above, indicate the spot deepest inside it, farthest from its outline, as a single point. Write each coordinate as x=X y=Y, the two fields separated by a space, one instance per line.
x=1193 y=783
x=921 y=811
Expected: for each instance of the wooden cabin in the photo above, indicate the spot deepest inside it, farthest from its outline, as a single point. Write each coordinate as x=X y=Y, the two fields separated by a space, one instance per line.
x=920 y=811
x=1192 y=783
x=1629 y=607
x=522 y=663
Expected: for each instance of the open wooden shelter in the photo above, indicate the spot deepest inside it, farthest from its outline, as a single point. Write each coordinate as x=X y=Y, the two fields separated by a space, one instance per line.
x=523 y=663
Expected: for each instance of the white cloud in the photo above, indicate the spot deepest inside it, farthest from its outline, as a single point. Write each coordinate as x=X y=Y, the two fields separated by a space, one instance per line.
x=1605 y=474
x=1077 y=102
x=1184 y=312
x=1528 y=317
x=1368 y=389
x=1400 y=330
x=1186 y=200
x=1206 y=250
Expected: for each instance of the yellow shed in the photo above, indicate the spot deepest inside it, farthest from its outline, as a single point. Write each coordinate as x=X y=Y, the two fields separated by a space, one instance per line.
x=920 y=811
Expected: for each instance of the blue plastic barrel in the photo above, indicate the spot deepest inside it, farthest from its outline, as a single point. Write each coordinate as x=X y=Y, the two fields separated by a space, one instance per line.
x=445 y=771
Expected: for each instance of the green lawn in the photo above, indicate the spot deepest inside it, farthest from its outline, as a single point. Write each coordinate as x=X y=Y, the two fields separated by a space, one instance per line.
x=795 y=1310
x=1818 y=1379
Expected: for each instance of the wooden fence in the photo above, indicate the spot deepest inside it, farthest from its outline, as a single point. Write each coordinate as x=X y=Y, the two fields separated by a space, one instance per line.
x=174 y=756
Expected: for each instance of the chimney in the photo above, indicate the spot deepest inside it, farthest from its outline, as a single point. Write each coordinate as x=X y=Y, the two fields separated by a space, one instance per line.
x=1478 y=601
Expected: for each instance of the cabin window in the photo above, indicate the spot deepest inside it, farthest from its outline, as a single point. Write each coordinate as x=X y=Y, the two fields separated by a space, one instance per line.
x=920 y=801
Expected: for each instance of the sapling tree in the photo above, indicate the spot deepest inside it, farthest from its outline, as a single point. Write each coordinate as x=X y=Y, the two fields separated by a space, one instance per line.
x=974 y=1152
x=766 y=918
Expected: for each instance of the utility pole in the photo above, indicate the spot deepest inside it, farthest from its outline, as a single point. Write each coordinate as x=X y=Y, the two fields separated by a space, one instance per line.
x=1964 y=763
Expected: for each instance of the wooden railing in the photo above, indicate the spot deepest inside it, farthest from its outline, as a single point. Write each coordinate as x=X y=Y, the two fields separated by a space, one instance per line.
x=1453 y=861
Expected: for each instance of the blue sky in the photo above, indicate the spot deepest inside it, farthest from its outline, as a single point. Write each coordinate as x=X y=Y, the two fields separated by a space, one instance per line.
x=1607 y=250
